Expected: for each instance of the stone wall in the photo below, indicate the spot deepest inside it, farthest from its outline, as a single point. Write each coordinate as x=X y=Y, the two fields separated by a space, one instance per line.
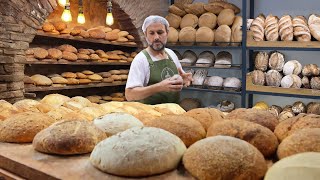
x=19 y=20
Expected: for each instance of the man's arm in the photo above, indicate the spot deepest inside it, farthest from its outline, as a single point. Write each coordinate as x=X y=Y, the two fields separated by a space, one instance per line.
x=139 y=93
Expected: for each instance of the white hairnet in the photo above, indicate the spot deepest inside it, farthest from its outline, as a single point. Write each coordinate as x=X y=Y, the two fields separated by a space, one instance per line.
x=154 y=19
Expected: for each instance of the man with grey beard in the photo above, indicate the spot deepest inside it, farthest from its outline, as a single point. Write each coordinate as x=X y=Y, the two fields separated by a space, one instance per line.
x=156 y=75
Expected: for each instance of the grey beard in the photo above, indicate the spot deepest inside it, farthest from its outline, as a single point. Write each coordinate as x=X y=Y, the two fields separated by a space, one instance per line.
x=156 y=49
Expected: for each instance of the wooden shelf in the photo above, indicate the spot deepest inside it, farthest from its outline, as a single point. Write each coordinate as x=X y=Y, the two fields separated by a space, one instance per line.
x=71 y=38
x=281 y=45
x=78 y=62
x=91 y=85
x=279 y=91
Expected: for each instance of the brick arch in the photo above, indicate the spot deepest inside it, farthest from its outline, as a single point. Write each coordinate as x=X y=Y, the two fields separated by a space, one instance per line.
x=19 y=20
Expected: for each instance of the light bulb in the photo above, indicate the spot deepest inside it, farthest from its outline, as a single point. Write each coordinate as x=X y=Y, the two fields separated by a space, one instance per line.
x=81 y=19
x=66 y=15
x=62 y=2
x=109 y=19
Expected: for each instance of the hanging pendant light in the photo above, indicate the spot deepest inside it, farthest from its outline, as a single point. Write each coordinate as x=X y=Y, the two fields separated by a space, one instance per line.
x=109 y=18
x=66 y=15
x=81 y=19
x=62 y=2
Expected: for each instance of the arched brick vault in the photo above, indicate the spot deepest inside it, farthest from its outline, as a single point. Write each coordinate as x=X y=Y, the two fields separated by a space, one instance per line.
x=19 y=20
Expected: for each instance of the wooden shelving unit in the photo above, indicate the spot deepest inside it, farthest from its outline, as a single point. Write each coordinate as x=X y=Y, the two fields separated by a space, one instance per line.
x=77 y=62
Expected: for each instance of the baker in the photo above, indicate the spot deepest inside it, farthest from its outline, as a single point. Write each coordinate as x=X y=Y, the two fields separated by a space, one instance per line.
x=156 y=75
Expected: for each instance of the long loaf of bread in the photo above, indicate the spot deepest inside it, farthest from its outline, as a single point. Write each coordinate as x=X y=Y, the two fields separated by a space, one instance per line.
x=286 y=28
x=271 y=28
x=257 y=27
x=301 y=30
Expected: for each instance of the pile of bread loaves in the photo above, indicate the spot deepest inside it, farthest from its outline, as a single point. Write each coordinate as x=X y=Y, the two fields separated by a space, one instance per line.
x=273 y=70
x=68 y=53
x=271 y=28
x=99 y=32
x=204 y=23
x=137 y=140
x=116 y=96
x=76 y=78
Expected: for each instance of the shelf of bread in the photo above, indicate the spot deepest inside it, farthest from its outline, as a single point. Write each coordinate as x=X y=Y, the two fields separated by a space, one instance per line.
x=223 y=45
x=207 y=89
x=252 y=88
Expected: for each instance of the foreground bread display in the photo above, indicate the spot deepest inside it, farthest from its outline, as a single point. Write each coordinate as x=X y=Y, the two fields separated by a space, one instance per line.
x=68 y=138
x=135 y=152
x=223 y=157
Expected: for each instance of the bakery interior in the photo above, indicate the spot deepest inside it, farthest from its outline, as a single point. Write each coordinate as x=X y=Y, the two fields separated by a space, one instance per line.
x=251 y=112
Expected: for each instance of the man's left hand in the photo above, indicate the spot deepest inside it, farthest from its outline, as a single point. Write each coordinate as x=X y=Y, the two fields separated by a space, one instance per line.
x=187 y=77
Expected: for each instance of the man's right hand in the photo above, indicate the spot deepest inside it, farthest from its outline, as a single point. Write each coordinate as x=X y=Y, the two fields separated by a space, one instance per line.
x=169 y=85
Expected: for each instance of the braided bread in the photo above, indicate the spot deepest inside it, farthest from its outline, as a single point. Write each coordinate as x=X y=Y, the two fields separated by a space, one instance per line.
x=257 y=27
x=271 y=28
x=301 y=30
x=286 y=28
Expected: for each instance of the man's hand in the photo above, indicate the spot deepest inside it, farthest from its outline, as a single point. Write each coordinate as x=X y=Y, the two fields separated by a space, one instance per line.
x=187 y=77
x=169 y=85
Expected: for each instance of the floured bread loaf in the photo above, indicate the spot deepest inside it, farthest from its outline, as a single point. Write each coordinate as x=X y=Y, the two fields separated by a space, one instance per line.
x=188 y=58
x=115 y=123
x=292 y=67
x=305 y=82
x=223 y=60
x=271 y=28
x=176 y=10
x=204 y=34
x=291 y=81
x=186 y=128
x=130 y=152
x=257 y=27
x=173 y=35
x=7 y=109
x=301 y=29
x=187 y=34
x=310 y=70
x=261 y=61
x=314 y=25
x=196 y=8
x=222 y=35
x=206 y=116
x=296 y=167
x=208 y=159
x=68 y=138
x=273 y=78
x=226 y=17
x=276 y=61
x=189 y=20
x=199 y=76
x=55 y=100
x=258 y=77
x=27 y=105
x=214 y=82
x=174 y=20
x=232 y=83
x=22 y=127
x=206 y=59
x=313 y=108
x=286 y=28
x=208 y=20
x=315 y=83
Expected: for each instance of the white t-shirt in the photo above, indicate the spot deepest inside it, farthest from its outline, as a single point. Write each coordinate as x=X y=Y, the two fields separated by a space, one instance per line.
x=139 y=73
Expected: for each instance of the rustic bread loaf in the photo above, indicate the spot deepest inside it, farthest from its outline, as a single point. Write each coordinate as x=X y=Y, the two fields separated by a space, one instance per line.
x=40 y=53
x=54 y=53
x=291 y=81
x=315 y=83
x=69 y=56
x=272 y=28
x=48 y=27
x=174 y=20
x=67 y=47
x=286 y=28
x=217 y=6
x=273 y=78
x=222 y=35
x=187 y=34
x=214 y=82
x=258 y=28
x=204 y=34
x=223 y=60
x=259 y=136
x=224 y=157
x=292 y=67
x=54 y=100
x=226 y=17
x=226 y=106
x=261 y=61
x=26 y=105
x=190 y=103
x=41 y=80
x=305 y=82
x=258 y=77
x=111 y=36
x=276 y=61
x=258 y=116
x=188 y=58
x=130 y=152
x=68 y=138
x=206 y=116
x=173 y=35
x=186 y=128
x=236 y=31
x=296 y=167
x=304 y=140
x=206 y=59
x=180 y=3
x=22 y=127
x=115 y=123
x=208 y=20
x=97 y=34
x=199 y=77
x=232 y=83
x=301 y=30
x=314 y=25
x=59 y=80
x=169 y=108
x=196 y=8
x=189 y=20
x=176 y=10
x=310 y=70
x=7 y=109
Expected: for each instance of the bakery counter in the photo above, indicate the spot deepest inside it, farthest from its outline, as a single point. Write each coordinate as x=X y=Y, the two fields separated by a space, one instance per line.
x=23 y=161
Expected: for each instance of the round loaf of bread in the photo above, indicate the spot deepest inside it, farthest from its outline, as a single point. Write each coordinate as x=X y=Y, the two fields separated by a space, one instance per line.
x=129 y=153
x=304 y=140
x=40 y=53
x=195 y=8
x=226 y=17
x=206 y=116
x=54 y=53
x=258 y=116
x=187 y=34
x=292 y=67
x=189 y=20
x=223 y=60
x=173 y=35
x=276 y=61
x=224 y=157
x=186 y=128
x=114 y=123
x=41 y=80
x=204 y=34
x=55 y=100
x=310 y=70
x=273 y=78
x=291 y=81
x=315 y=82
x=296 y=167
x=232 y=82
x=208 y=20
x=176 y=10
x=313 y=108
x=173 y=20
x=261 y=61
x=22 y=127
x=291 y=125
x=190 y=103
x=258 y=77
x=222 y=35
x=259 y=136
x=26 y=105
x=68 y=138
x=214 y=82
